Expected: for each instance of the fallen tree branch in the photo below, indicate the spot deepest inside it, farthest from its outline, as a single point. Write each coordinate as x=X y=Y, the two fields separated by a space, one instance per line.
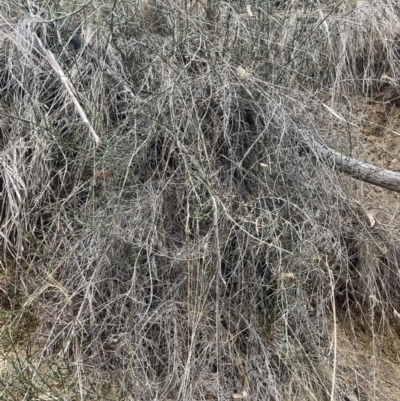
x=362 y=171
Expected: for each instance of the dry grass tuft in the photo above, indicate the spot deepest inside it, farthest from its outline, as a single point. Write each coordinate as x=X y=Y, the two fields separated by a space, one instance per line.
x=196 y=253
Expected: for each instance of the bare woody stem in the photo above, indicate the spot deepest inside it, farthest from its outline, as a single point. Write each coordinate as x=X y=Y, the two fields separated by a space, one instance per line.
x=70 y=89
x=362 y=171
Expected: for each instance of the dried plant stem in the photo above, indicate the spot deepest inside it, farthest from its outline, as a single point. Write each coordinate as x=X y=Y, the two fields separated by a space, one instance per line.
x=217 y=294
x=114 y=77
x=334 y=332
x=68 y=85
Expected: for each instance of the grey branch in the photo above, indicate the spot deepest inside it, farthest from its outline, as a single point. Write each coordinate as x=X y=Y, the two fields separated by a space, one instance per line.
x=363 y=171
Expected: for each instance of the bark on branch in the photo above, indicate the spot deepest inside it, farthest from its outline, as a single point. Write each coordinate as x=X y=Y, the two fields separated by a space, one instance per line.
x=363 y=171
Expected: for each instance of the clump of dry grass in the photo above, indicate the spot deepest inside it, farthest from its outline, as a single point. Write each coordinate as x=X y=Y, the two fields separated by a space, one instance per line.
x=199 y=251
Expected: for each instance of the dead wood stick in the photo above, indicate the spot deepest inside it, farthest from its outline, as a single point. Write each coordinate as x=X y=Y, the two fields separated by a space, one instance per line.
x=380 y=177
x=70 y=89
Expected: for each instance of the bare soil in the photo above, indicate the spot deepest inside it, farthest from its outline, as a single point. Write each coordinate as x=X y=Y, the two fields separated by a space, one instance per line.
x=373 y=361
